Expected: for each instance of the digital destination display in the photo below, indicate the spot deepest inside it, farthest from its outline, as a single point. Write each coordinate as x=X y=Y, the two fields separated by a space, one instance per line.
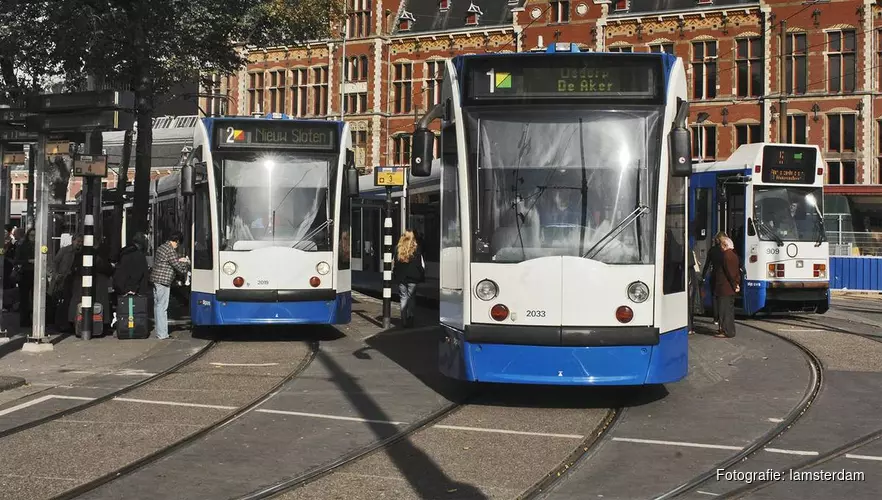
x=276 y=134
x=789 y=164
x=563 y=76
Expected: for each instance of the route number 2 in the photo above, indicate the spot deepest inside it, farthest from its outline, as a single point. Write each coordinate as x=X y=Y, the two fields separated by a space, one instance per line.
x=230 y=133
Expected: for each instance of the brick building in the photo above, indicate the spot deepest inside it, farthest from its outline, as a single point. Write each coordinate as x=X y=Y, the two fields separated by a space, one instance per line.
x=832 y=53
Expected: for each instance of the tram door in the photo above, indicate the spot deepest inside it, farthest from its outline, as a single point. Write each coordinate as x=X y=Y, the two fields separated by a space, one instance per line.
x=732 y=217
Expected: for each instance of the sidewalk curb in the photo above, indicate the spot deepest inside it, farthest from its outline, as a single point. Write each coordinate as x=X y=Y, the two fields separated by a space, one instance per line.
x=8 y=382
x=13 y=344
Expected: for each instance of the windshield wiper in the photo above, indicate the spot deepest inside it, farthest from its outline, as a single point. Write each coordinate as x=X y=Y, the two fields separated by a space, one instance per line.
x=769 y=231
x=615 y=231
x=313 y=232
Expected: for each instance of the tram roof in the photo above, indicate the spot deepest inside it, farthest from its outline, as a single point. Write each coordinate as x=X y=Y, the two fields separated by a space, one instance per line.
x=745 y=158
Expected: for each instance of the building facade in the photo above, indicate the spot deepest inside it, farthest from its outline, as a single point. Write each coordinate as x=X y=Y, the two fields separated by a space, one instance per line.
x=743 y=58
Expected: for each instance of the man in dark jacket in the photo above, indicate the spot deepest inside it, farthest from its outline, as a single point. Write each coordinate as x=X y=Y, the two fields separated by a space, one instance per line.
x=132 y=275
x=165 y=264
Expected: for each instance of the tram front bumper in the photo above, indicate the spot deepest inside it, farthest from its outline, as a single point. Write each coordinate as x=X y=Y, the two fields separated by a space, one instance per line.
x=663 y=358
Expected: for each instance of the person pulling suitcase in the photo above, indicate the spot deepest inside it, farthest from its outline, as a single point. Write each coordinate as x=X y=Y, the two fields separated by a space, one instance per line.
x=132 y=286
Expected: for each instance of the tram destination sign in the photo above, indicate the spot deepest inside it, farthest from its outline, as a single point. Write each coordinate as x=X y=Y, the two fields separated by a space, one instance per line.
x=789 y=164
x=273 y=134
x=563 y=76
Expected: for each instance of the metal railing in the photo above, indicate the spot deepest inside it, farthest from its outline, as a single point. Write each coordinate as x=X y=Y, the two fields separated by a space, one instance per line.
x=854 y=243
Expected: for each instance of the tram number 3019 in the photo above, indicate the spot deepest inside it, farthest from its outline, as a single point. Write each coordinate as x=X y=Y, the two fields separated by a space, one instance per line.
x=535 y=314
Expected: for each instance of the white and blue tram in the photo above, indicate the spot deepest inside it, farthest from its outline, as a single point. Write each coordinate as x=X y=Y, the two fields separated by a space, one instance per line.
x=270 y=221
x=563 y=217
x=768 y=198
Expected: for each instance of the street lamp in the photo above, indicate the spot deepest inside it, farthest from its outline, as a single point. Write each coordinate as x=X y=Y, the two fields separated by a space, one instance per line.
x=269 y=164
x=699 y=120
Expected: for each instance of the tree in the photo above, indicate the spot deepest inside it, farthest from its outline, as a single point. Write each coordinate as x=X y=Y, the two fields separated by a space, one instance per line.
x=148 y=46
x=27 y=59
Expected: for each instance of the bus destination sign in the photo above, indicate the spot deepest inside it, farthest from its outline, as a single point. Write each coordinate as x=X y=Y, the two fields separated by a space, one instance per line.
x=576 y=76
x=276 y=134
x=789 y=164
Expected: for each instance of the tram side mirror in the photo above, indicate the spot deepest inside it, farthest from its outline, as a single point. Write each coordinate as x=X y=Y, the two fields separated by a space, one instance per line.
x=423 y=150
x=188 y=180
x=680 y=143
x=350 y=175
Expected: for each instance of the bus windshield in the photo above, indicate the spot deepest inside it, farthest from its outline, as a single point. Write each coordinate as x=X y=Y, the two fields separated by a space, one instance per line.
x=279 y=201
x=786 y=213
x=564 y=183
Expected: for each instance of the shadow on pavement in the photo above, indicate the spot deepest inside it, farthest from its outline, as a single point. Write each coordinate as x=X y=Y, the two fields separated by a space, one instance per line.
x=421 y=472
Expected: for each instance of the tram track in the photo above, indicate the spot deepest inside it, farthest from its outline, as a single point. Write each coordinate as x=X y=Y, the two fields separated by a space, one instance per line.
x=310 y=476
x=107 y=397
x=586 y=449
x=196 y=436
x=817 y=379
x=840 y=451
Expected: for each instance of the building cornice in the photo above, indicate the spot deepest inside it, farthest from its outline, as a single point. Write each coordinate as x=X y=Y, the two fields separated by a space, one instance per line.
x=680 y=14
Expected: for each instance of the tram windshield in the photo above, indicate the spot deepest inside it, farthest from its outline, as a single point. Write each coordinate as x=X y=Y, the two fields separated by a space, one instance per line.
x=276 y=201
x=788 y=213
x=564 y=183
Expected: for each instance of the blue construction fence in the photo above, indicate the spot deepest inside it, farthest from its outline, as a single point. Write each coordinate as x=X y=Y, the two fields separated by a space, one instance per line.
x=858 y=274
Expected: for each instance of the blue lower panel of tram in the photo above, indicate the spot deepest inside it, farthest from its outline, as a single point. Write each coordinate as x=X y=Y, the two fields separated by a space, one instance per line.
x=206 y=310
x=663 y=363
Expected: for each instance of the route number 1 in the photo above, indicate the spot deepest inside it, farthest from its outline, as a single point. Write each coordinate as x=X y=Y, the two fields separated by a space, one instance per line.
x=492 y=75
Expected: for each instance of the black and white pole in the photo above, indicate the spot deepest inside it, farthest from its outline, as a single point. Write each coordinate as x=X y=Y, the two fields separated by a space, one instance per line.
x=88 y=258
x=387 y=260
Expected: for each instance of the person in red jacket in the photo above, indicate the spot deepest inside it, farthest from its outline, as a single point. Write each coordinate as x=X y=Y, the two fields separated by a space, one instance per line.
x=727 y=283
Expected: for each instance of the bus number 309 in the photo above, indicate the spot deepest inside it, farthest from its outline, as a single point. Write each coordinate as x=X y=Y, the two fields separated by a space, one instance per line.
x=535 y=314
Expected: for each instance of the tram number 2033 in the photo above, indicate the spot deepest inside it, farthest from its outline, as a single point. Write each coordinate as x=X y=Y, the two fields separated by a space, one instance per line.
x=535 y=313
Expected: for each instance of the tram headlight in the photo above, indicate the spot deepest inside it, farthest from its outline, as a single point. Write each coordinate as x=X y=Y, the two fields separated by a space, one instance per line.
x=486 y=290
x=230 y=268
x=323 y=268
x=638 y=292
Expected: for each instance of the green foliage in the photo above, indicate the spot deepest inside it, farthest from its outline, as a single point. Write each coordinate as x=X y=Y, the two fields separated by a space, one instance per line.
x=27 y=57
x=147 y=44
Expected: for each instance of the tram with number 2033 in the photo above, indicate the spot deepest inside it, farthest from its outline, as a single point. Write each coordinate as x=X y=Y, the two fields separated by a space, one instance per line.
x=270 y=223
x=563 y=217
x=768 y=199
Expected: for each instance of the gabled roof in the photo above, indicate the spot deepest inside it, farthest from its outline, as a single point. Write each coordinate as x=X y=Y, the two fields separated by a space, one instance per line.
x=660 y=6
x=428 y=16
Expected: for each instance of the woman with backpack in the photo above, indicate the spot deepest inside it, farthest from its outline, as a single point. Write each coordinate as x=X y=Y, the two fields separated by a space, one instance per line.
x=408 y=269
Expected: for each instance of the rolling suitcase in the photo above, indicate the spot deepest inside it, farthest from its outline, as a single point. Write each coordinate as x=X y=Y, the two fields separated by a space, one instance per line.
x=132 y=318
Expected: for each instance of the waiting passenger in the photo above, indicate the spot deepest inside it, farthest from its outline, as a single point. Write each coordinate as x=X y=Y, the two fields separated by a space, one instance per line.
x=24 y=259
x=714 y=261
x=727 y=278
x=408 y=269
x=165 y=264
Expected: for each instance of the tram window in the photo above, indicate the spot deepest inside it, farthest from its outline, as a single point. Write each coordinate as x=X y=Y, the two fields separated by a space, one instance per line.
x=702 y=208
x=344 y=251
x=356 y=233
x=202 y=243
x=450 y=209
x=674 y=273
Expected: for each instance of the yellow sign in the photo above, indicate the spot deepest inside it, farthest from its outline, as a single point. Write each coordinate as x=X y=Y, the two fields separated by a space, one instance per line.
x=44 y=249
x=90 y=166
x=389 y=176
x=58 y=148
x=14 y=158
